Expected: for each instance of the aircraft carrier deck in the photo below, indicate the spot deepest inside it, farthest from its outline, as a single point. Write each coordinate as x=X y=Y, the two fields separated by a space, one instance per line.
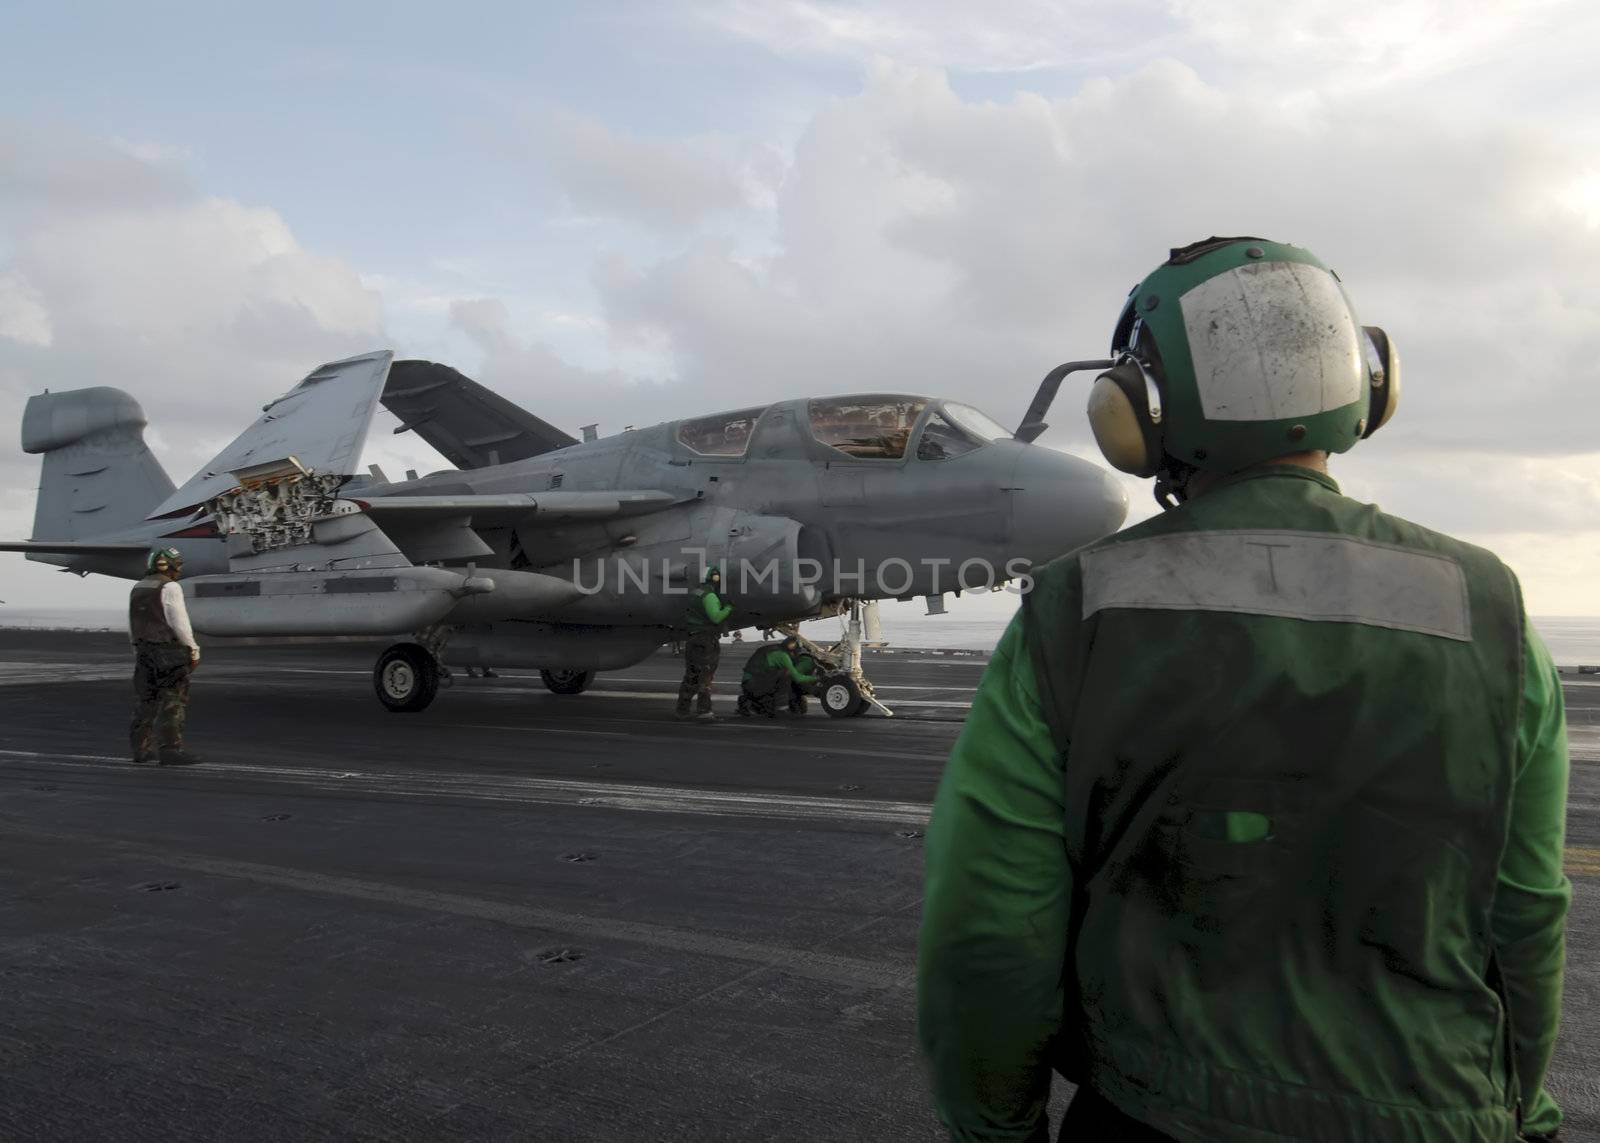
x=514 y=916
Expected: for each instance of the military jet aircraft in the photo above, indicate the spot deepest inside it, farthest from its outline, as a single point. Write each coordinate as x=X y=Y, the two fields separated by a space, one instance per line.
x=542 y=550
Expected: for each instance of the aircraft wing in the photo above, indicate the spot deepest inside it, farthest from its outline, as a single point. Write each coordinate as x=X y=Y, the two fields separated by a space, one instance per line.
x=432 y=528
x=499 y=508
x=322 y=422
x=75 y=547
x=471 y=426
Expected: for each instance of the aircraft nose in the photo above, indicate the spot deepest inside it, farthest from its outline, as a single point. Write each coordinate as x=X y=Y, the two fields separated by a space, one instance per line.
x=1061 y=502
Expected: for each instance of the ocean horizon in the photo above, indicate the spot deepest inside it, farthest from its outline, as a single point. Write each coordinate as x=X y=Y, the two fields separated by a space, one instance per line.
x=1573 y=640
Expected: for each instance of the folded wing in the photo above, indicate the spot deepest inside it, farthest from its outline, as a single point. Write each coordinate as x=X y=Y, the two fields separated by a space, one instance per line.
x=471 y=426
x=322 y=423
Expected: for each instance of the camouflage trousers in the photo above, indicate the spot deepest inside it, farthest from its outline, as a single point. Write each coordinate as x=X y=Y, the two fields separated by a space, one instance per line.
x=160 y=697
x=702 y=651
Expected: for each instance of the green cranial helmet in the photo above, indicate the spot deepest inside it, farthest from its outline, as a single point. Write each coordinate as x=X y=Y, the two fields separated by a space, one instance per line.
x=172 y=557
x=1250 y=350
x=713 y=576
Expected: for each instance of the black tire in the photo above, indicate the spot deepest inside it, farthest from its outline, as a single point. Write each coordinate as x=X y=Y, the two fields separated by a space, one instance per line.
x=406 y=678
x=567 y=682
x=841 y=698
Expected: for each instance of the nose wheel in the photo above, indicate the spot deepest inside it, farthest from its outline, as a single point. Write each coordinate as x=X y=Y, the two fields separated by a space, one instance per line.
x=406 y=678
x=841 y=697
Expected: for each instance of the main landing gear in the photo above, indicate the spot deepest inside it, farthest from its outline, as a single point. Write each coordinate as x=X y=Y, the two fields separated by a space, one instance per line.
x=406 y=677
x=567 y=682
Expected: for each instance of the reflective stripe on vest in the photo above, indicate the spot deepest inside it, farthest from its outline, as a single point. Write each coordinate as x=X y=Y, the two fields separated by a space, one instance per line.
x=1297 y=575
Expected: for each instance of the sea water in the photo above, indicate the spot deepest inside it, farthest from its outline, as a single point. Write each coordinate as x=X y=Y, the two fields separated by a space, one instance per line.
x=1573 y=640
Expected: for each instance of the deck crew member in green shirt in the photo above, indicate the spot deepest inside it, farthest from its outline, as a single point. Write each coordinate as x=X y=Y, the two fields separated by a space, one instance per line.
x=770 y=675
x=799 y=703
x=1255 y=829
x=702 y=650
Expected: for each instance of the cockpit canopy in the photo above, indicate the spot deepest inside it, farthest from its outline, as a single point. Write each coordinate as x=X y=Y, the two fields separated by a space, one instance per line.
x=721 y=434
x=867 y=428
x=862 y=427
x=880 y=427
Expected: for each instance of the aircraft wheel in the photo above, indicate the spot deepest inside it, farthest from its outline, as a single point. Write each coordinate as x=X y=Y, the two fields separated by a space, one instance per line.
x=841 y=698
x=406 y=678
x=567 y=682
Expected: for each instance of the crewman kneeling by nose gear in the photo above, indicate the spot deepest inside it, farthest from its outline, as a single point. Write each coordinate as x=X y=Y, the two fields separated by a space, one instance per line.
x=770 y=676
x=799 y=703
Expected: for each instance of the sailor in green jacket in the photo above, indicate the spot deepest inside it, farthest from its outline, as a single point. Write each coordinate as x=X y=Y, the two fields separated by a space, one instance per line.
x=1255 y=829
x=702 y=650
x=769 y=676
x=798 y=701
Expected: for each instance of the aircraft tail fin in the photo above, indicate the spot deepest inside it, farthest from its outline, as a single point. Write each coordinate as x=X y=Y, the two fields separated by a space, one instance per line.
x=98 y=478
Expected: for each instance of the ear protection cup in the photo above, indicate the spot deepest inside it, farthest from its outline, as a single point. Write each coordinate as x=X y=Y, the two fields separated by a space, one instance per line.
x=1383 y=362
x=1119 y=415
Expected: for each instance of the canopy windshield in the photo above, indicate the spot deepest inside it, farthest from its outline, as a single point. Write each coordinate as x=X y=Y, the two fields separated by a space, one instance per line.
x=976 y=422
x=955 y=430
x=867 y=428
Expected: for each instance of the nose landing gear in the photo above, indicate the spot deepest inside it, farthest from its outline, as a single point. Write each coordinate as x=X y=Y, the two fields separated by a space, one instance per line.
x=845 y=690
x=842 y=697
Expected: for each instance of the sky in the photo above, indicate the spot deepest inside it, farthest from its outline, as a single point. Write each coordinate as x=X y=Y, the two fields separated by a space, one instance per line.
x=628 y=212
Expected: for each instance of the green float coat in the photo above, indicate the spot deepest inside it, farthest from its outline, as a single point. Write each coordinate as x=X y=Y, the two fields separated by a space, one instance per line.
x=1286 y=842
x=769 y=664
x=706 y=611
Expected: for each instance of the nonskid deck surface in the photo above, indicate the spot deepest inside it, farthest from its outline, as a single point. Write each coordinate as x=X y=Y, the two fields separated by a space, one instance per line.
x=514 y=915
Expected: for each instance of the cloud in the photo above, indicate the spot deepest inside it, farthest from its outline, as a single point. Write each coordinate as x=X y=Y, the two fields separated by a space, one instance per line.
x=116 y=270
x=669 y=185
x=1456 y=49
x=929 y=242
x=1347 y=45
x=24 y=318
x=47 y=173
x=531 y=373
x=198 y=303
x=1030 y=36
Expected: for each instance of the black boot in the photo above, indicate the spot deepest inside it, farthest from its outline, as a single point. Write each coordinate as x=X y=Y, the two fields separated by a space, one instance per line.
x=177 y=756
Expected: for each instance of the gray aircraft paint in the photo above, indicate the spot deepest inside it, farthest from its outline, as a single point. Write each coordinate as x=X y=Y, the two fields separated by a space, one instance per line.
x=97 y=480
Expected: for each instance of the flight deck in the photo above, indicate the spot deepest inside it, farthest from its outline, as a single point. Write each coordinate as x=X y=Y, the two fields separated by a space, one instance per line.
x=515 y=915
